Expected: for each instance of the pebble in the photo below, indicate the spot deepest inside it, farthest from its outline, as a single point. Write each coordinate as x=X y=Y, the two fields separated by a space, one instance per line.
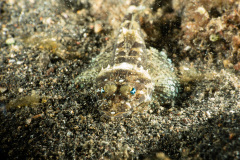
x=3 y=89
x=10 y=41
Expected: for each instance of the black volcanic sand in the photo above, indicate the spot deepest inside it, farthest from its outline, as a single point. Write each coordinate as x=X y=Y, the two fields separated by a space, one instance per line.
x=45 y=115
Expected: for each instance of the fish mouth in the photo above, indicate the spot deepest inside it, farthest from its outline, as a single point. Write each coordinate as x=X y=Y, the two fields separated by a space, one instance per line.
x=116 y=110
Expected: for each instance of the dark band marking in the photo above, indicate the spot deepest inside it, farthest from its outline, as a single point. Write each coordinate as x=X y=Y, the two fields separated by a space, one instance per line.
x=133 y=53
x=127 y=25
x=138 y=45
x=130 y=60
x=120 y=45
x=121 y=53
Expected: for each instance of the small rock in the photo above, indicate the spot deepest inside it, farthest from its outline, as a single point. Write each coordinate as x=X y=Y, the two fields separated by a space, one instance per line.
x=20 y=90
x=10 y=41
x=98 y=28
x=237 y=66
x=3 y=89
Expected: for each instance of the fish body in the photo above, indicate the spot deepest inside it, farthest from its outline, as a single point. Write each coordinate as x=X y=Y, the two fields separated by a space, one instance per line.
x=126 y=85
x=126 y=78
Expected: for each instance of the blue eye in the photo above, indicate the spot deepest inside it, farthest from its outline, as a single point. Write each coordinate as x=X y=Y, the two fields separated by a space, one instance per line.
x=133 y=91
x=102 y=90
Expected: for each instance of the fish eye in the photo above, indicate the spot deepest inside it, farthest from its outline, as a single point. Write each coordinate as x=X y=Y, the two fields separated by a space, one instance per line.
x=108 y=89
x=133 y=91
x=102 y=90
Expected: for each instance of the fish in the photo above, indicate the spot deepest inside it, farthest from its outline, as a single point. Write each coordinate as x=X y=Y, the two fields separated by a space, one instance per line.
x=128 y=78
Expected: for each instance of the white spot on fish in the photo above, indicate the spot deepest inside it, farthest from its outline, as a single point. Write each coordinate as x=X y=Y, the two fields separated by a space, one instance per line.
x=142 y=92
x=124 y=65
x=129 y=105
x=113 y=112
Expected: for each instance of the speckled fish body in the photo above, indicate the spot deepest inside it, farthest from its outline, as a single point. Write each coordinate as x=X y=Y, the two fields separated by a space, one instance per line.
x=126 y=79
x=126 y=85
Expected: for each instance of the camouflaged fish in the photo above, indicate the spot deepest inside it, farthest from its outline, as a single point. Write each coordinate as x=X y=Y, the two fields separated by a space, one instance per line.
x=126 y=78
